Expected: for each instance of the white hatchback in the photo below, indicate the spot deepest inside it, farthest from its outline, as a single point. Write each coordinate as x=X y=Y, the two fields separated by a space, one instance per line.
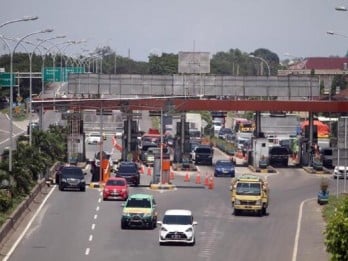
x=178 y=226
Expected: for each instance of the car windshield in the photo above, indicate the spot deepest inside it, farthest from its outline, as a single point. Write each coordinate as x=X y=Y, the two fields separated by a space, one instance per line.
x=94 y=135
x=177 y=220
x=244 y=188
x=112 y=182
x=138 y=203
x=224 y=164
x=127 y=169
x=203 y=150
x=72 y=172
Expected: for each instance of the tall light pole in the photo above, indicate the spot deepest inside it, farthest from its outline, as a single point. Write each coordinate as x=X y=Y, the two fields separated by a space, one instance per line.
x=262 y=60
x=11 y=85
x=341 y=8
x=24 y=19
x=31 y=80
x=333 y=33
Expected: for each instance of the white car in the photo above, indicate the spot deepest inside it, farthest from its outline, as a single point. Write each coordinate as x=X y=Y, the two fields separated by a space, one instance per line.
x=178 y=226
x=93 y=138
x=339 y=172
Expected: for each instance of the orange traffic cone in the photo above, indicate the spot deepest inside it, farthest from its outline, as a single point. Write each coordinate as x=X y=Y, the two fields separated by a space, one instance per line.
x=198 y=178
x=187 y=177
x=148 y=171
x=171 y=175
x=206 y=180
x=211 y=183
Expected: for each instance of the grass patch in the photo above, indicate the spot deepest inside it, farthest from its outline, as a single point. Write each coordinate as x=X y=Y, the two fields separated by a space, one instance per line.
x=333 y=204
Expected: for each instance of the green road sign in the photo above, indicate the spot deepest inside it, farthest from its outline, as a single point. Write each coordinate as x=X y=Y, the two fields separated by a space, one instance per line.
x=58 y=74
x=5 y=79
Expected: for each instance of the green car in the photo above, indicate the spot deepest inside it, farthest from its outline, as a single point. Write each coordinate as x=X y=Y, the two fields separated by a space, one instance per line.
x=139 y=211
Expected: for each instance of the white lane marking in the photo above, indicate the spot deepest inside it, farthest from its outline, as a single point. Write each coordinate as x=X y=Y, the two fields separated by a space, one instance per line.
x=93 y=226
x=298 y=229
x=90 y=238
x=99 y=200
x=27 y=227
x=97 y=209
x=95 y=216
x=87 y=251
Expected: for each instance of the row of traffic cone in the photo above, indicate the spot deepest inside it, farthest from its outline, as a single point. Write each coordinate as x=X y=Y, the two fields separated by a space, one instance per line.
x=208 y=181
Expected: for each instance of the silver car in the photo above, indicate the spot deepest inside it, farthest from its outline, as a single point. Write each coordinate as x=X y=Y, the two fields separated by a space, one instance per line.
x=340 y=172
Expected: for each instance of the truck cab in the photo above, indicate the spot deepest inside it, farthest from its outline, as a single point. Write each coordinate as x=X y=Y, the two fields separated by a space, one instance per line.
x=249 y=193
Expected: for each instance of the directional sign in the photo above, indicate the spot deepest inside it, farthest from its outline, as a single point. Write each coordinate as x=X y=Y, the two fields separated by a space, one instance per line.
x=5 y=79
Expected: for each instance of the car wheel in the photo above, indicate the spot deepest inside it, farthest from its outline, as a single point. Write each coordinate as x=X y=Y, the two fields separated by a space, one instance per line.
x=61 y=188
x=123 y=225
x=194 y=242
x=83 y=189
x=236 y=212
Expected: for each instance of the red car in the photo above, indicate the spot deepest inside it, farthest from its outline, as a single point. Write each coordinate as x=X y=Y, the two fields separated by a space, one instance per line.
x=115 y=188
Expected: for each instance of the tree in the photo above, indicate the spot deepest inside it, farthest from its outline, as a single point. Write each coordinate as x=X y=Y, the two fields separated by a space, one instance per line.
x=337 y=233
x=167 y=63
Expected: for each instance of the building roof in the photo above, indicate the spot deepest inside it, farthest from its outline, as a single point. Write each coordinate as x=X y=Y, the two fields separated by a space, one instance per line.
x=321 y=63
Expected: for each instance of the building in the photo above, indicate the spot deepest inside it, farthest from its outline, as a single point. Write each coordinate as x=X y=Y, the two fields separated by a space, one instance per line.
x=326 y=68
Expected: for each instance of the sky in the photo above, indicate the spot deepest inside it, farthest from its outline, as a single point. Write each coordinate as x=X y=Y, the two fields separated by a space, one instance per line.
x=137 y=28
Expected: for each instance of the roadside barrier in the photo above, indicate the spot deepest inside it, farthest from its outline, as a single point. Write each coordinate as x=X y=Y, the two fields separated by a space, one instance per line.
x=142 y=170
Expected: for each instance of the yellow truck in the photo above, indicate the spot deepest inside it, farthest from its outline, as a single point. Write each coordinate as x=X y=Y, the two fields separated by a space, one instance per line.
x=249 y=193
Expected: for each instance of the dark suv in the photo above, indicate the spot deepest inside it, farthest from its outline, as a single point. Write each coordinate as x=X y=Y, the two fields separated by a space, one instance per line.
x=279 y=155
x=203 y=154
x=130 y=171
x=72 y=177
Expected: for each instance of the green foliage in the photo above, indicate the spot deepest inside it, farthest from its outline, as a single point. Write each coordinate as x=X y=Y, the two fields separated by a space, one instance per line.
x=337 y=232
x=5 y=200
x=167 y=63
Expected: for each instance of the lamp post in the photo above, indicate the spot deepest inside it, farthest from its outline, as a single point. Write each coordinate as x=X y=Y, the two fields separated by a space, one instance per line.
x=333 y=33
x=262 y=60
x=11 y=85
x=341 y=8
x=31 y=80
x=24 y=19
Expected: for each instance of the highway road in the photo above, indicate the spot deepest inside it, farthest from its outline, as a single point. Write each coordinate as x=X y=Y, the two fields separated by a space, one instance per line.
x=81 y=226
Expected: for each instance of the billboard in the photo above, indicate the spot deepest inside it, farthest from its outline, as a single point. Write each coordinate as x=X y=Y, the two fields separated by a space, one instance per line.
x=194 y=62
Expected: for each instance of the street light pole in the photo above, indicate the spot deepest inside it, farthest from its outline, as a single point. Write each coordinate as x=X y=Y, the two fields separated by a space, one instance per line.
x=11 y=87
x=262 y=60
x=333 y=33
x=24 y=19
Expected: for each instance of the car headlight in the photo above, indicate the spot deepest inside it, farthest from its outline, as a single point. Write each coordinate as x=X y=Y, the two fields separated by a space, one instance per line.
x=125 y=214
x=164 y=229
x=123 y=190
x=189 y=229
x=258 y=202
x=237 y=202
x=64 y=179
x=147 y=214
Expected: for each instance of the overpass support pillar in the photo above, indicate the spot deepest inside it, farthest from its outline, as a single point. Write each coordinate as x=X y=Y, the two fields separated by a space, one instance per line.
x=257 y=124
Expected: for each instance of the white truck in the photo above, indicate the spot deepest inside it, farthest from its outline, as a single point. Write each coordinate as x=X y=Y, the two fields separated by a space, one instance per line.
x=195 y=125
